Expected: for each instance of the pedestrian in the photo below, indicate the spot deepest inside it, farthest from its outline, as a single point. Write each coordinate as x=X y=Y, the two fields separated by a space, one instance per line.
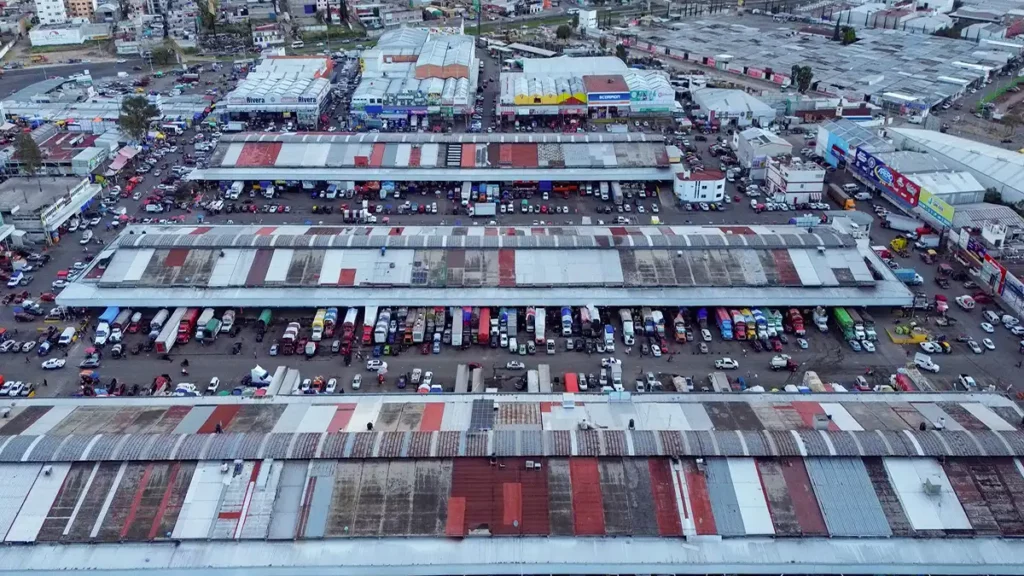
x=26 y=360
x=44 y=382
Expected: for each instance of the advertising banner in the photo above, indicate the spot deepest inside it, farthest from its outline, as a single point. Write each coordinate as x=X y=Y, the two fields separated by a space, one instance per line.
x=755 y=73
x=887 y=179
x=606 y=98
x=936 y=207
x=994 y=274
x=778 y=79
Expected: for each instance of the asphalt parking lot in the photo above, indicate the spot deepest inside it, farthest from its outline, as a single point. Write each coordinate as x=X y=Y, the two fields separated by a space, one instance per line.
x=826 y=353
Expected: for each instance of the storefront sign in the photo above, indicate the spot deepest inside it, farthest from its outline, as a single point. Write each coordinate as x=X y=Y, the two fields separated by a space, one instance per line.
x=994 y=274
x=937 y=208
x=779 y=79
x=710 y=62
x=755 y=73
x=889 y=180
x=606 y=97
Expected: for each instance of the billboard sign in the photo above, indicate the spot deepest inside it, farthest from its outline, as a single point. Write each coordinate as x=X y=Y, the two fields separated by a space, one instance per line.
x=936 y=207
x=606 y=97
x=889 y=180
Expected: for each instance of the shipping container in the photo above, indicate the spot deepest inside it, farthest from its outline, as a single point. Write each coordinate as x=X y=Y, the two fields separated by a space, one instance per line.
x=532 y=382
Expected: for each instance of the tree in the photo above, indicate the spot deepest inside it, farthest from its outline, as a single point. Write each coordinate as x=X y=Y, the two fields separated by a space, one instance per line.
x=163 y=55
x=29 y=155
x=575 y=21
x=849 y=35
x=136 y=115
x=802 y=76
x=563 y=32
x=621 y=53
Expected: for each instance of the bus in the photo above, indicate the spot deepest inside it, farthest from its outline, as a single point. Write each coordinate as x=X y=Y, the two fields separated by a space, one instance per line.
x=572 y=383
x=318 y=325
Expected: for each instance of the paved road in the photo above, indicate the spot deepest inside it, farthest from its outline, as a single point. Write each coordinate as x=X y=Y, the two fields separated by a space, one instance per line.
x=14 y=80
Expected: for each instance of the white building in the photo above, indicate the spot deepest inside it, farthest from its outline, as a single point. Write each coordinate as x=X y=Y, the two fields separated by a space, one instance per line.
x=733 y=107
x=267 y=35
x=588 y=19
x=51 y=12
x=67 y=34
x=800 y=182
x=698 y=186
x=755 y=145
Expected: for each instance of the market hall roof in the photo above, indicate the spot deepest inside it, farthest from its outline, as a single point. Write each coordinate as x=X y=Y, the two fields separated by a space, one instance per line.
x=455 y=157
x=735 y=483
x=493 y=265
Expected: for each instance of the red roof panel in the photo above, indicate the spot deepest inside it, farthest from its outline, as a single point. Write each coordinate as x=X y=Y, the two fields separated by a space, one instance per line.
x=266 y=231
x=506 y=268
x=221 y=415
x=524 y=155
x=258 y=154
x=258 y=268
x=456 y=525
x=807 y=412
x=469 y=155
x=201 y=230
x=341 y=418
x=805 y=503
x=505 y=155
x=512 y=504
x=414 y=157
x=587 y=505
x=377 y=156
x=432 y=415
x=700 y=502
x=347 y=277
x=664 y=498
x=176 y=257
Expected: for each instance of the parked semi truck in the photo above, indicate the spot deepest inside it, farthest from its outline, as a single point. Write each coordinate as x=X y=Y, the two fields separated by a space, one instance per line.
x=821 y=319
x=858 y=324
x=901 y=223
x=566 y=321
x=841 y=198
x=844 y=322
x=869 y=326
x=626 y=317
x=908 y=276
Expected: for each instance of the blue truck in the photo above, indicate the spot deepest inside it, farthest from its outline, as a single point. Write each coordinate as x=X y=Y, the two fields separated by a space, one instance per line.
x=908 y=276
x=110 y=314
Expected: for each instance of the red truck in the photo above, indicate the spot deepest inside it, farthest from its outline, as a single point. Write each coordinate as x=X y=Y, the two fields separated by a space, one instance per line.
x=797 y=322
x=187 y=326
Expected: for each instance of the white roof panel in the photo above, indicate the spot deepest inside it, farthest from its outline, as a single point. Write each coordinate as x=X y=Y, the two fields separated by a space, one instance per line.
x=926 y=510
x=232 y=154
x=139 y=265
x=279 y=264
x=37 y=504
x=224 y=268
x=750 y=496
x=316 y=155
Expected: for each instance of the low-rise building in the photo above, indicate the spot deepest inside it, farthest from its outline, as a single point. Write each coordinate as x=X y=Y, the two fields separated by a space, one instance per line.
x=282 y=89
x=755 y=145
x=68 y=34
x=39 y=206
x=800 y=182
x=267 y=35
x=733 y=107
x=698 y=185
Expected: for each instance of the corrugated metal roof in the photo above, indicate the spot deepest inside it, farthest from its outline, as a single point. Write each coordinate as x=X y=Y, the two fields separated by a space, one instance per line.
x=847 y=499
x=722 y=492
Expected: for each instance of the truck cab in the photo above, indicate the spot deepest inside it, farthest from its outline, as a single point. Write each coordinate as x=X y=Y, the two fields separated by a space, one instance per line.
x=102 y=334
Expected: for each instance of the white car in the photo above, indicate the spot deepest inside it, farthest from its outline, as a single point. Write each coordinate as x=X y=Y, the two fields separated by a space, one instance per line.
x=332 y=385
x=211 y=388
x=428 y=377
x=987 y=327
x=306 y=384
x=726 y=364
x=357 y=381
x=705 y=334
x=86 y=237
x=1017 y=330
x=59 y=284
x=416 y=375
x=974 y=347
x=967 y=382
x=372 y=365
x=515 y=365
x=606 y=362
x=867 y=345
x=931 y=347
x=54 y=363
x=656 y=351
x=987 y=342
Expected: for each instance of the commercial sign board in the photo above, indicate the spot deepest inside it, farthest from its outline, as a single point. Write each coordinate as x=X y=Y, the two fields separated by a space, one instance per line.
x=755 y=73
x=889 y=180
x=936 y=207
x=605 y=98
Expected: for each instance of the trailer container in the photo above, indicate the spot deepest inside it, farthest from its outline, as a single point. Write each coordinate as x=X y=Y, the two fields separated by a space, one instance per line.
x=617 y=196
x=702 y=318
x=659 y=322
x=109 y=315
x=532 y=382
x=841 y=198
x=719 y=382
x=122 y=319
x=596 y=325
x=265 y=317
x=813 y=382
x=908 y=276
x=609 y=338
x=483 y=332
x=844 y=322
x=648 y=319
x=158 y=321
x=544 y=378
x=419 y=325
x=539 y=331
x=901 y=223
x=205 y=317
x=380 y=330
x=477 y=377
x=462 y=379
x=166 y=338
x=457 y=327
x=724 y=322
x=513 y=322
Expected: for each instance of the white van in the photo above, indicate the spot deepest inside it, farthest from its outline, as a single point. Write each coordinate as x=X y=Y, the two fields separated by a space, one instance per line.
x=513 y=346
x=67 y=337
x=924 y=362
x=154 y=208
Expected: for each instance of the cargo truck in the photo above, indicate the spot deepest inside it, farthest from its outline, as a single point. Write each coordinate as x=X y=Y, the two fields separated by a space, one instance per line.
x=595 y=320
x=609 y=338
x=842 y=199
x=457 y=323
x=483 y=209
x=264 y=321
x=187 y=325
x=544 y=378
x=462 y=379
x=858 y=324
x=719 y=382
x=205 y=317
x=566 y=321
x=626 y=317
x=844 y=322
x=659 y=322
x=227 y=321
x=796 y=320
x=122 y=319
x=331 y=321
x=821 y=319
x=109 y=315
x=869 y=326
x=927 y=241
x=617 y=196
x=539 y=332
x=724 y=323
x=739 y=327
x=616 y=370
x=208 y=331
x=813 y=382
x=679 y=327
x=908 y=276
x=901 y=223
x=369 y=321
x=157 y=323
x=648 y=319
x=702 y=318
x=317 y=328
x=484 y=327
x=380 y=331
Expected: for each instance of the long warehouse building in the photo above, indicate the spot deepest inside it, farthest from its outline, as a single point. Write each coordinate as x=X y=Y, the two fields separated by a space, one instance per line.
x=295 y=266
x=704 y=484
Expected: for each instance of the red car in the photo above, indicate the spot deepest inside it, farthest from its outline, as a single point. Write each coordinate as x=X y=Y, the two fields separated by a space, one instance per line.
x=47 y=297
x=776 y=345
x=425 y=349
